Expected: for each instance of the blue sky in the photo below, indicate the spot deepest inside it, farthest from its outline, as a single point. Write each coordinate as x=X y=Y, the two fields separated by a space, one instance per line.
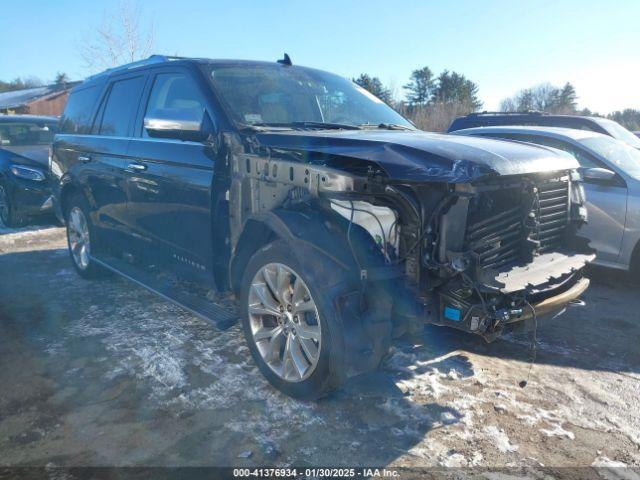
x=501 y=45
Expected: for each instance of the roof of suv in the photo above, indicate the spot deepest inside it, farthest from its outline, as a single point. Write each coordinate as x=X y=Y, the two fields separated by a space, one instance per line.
x=510 y=118
x=160 y=60
x=557 y=132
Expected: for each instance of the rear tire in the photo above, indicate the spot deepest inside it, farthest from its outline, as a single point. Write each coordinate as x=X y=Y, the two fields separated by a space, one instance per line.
x=80 y=236
x=8 y=215
x=292 y=330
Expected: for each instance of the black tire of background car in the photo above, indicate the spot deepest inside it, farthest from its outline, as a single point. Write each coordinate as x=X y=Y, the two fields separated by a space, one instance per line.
x=10 y=217
x=327 y=375
x=634 y=269
x=93 y=270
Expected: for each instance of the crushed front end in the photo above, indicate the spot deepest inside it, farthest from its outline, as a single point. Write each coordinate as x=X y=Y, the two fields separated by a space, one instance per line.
x=466 y=247
x=503 y=251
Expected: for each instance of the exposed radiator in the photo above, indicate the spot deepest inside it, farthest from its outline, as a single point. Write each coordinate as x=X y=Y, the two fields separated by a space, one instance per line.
x=498 y=228
x=552 y=214
x=498 y=240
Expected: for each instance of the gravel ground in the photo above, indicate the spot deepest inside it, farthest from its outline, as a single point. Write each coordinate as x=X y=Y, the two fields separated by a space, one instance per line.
x=105 y=373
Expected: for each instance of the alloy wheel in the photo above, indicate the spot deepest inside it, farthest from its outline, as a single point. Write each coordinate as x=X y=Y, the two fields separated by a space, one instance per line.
x=79 y=241
x=284 y=322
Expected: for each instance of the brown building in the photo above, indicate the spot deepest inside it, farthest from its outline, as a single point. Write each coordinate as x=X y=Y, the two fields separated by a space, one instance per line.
x=47 y=100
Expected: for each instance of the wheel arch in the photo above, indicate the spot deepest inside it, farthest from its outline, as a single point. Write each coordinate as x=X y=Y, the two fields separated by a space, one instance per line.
x=305 y=229
x=67 y=191
x=256 y=233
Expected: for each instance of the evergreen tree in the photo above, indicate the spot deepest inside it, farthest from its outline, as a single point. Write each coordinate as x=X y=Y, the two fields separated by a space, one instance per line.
x=567 y=99
x=374 y=86
x=61 y=78
x=420 y=87
x=454 y=87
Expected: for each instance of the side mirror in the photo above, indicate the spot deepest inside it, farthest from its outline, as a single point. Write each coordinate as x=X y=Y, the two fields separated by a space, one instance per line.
x=598 y=175
x=176 y=123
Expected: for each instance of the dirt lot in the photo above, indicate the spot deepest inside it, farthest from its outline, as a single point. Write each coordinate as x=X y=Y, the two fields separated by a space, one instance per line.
x=105 y=373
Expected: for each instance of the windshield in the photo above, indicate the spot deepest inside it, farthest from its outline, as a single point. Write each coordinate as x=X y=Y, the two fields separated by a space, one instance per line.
x=280 y=95
x=616 y=152
x=618 y=131
x=26 y=133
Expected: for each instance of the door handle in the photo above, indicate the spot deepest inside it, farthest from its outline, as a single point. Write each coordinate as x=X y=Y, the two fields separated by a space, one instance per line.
x=136 y=167
x=84 y=158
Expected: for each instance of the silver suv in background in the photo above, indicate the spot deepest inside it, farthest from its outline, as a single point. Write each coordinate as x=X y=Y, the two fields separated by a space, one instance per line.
x=543 y=119
x=611 y=174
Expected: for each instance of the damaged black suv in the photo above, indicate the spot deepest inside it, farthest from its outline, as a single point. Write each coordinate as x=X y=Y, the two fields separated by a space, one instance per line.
x=320 y=217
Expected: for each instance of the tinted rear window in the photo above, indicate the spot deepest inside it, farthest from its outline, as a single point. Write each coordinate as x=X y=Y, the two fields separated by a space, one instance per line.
x=78 y=112
x=121 y=107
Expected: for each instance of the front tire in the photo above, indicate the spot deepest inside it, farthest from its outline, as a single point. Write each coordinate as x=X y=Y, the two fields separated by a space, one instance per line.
x=292 y=331
x=80 y=237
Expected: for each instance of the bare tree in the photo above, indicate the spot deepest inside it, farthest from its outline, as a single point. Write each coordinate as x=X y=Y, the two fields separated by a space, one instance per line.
x=120 y=38
x=543 y=97
x=20 y=83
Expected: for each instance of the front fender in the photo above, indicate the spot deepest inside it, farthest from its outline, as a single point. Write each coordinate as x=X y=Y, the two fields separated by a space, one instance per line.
x=364 y=307
x=305 y=230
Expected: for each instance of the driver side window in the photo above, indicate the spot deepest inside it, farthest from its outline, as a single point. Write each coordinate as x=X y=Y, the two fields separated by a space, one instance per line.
x=176 y=93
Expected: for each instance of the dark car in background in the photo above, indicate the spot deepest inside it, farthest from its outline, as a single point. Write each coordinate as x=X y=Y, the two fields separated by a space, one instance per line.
x=579 y=122
x=24 y=177
x=337 y=225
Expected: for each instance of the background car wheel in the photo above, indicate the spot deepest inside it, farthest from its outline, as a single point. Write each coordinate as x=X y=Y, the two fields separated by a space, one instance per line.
x=634 y=269
x=80 y=236
x=292 y=331
x=8 y=215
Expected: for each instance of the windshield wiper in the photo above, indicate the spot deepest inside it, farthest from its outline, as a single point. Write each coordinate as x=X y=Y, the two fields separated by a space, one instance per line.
x=310 y=125
x=251 y=127
x=387 y=126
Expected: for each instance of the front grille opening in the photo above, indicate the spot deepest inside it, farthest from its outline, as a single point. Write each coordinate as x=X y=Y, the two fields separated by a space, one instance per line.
x=505 y=227
x=552 y=213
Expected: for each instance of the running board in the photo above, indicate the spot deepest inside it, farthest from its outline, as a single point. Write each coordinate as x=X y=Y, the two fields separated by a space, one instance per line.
x=221 y=316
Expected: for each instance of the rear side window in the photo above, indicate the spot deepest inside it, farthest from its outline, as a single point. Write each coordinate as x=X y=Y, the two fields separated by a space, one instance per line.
x=122 y=103
x=78 y=112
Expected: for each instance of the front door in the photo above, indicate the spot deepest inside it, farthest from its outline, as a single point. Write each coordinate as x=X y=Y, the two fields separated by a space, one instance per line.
x=169 y=183
x=607 y=209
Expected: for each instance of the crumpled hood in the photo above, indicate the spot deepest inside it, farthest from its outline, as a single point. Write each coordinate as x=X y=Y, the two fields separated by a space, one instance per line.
x=422 y=156
x=34 y=155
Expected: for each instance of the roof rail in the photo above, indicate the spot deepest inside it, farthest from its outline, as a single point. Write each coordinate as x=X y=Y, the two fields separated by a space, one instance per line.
x=140 y=63
x=522 y=112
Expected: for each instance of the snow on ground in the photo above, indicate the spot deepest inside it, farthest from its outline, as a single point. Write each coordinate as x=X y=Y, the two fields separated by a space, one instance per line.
x=105 y=371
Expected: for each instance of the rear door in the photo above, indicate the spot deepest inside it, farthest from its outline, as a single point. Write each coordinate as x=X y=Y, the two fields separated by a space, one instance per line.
x=106 y=154
x=169 y=182
x=93 y=147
